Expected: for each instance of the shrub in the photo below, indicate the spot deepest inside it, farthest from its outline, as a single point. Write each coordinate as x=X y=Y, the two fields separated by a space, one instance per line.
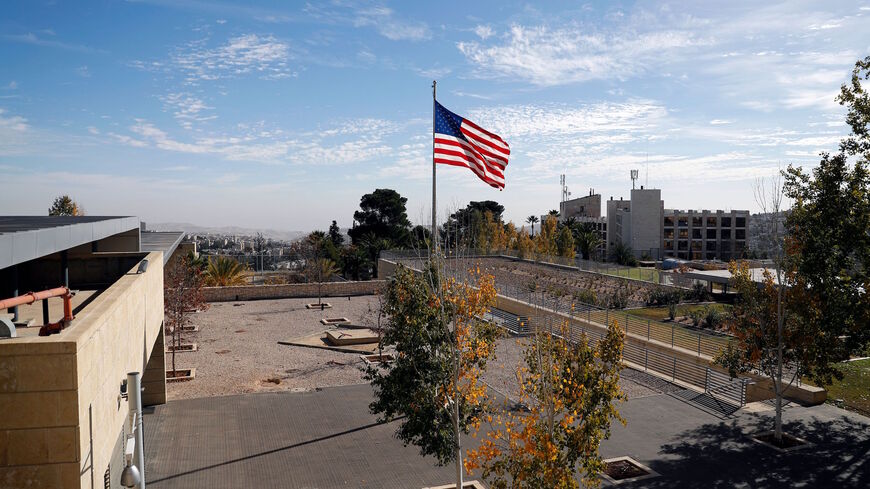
x=586 y=297
x=618 y=299
x=696 y=317
x=712 y=317
x=699 y=292
x=672 y=311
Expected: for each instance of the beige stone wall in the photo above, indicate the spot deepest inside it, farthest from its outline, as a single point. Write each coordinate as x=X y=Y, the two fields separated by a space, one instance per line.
x=59 y=394
x=254 y=292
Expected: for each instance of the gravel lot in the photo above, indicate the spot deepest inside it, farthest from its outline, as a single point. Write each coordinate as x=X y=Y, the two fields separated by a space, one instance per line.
x=239 y=350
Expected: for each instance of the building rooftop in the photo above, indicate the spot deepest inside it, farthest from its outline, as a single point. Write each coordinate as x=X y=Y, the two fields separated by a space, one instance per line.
x=25 y=238
x=165 y=241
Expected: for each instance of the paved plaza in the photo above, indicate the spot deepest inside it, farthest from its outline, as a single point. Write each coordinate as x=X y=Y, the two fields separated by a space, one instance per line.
x=326 y=438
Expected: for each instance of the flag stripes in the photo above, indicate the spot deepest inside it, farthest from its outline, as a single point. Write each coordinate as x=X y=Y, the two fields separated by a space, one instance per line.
x=460 y=142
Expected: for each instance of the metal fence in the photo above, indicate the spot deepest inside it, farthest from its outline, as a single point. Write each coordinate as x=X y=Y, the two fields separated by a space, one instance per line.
x=699 y=377
x=643 y=274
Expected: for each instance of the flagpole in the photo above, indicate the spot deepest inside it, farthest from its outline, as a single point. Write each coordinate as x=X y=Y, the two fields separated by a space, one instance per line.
x=434 y=234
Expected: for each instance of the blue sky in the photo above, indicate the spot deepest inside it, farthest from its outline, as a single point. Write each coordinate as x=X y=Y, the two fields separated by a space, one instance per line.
x=282 y=114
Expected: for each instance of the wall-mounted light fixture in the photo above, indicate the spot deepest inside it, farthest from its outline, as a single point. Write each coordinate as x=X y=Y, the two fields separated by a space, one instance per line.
x=143 y=265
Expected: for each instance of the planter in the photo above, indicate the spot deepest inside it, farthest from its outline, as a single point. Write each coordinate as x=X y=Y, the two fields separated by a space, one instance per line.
x=329 y=321
x=376 y=359
x=321 y=306
x=181 y=375
x=465 y=485
x=620 y=470
x=184 y=347
x=789 y=443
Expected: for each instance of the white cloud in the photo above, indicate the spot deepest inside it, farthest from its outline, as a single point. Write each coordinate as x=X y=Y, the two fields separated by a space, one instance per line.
x=12 y=85
x=544 y=56
x=12 y=123
x=389 y=26
x=83 y=71
x=484 y=31
x=719 y=122
x=93 y=130
x=265 y=56
x=187 y=109
x=33 y=39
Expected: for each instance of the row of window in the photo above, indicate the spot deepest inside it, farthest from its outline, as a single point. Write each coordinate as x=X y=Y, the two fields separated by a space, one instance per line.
x=697 y=255
x=704 y=245
x=697 y=221
x=710 y=234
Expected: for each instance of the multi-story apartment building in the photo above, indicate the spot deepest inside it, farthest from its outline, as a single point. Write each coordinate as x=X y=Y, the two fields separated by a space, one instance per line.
x=636 y=223
x=705 y=235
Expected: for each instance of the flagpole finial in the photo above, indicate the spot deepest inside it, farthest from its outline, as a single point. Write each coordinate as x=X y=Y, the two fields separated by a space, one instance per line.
x=434 y=83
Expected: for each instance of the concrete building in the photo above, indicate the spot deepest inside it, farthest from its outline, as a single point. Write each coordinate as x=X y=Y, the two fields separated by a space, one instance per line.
x=636 y=223
x=65 y=410
x=588 y=206
x=705 y=235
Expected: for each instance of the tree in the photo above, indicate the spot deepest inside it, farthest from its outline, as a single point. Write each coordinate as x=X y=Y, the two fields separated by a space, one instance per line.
x=622 y=254
x=466 y=227
x=382 y=214
x=565 y=243
x=442 y=347
x=570 y=389
x=545 y=241
x=320 y=270
x=587 y=238
x=829 y=237
x=335 y=235
x=65 y=206
x=532 y=220
x=554 y=213
x=525 y=245
x=259 y=248
x=223 y=271
x=182 y=294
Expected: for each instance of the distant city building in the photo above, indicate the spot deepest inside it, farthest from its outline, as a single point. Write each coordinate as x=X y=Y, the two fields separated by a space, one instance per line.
x=705 y=235
x=637 y=223
x=589 y=206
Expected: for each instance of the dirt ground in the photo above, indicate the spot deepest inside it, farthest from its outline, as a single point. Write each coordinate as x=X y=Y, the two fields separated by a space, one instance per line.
x=238 y=348
x=238 y=351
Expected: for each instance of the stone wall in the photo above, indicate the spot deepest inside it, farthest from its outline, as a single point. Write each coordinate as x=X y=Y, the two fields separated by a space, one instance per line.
x=285 y=291
x=62 y=416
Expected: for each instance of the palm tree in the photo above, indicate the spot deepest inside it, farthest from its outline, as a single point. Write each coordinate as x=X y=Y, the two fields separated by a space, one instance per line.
x=224 y=271
x=532 y=220
x=588 y=241
x=554 y=213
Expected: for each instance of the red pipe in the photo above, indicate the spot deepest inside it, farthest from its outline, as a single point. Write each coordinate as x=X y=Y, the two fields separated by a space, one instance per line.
x=31 y=297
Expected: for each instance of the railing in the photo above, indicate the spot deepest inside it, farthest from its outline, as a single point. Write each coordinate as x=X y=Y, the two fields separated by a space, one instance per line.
x=650 y=275
x=700 y=377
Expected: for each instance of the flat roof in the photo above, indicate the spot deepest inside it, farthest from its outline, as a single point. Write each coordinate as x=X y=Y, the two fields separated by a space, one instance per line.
x=724 y=276
x=25 y=238
x=165 y=241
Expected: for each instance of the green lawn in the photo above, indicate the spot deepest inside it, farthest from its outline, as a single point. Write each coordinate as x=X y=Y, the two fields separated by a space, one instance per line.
x=639 y=273
x=854 y=389
x=661 y=313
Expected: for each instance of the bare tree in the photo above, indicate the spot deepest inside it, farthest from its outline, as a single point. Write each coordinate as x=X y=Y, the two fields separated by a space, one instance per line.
x=182 y=295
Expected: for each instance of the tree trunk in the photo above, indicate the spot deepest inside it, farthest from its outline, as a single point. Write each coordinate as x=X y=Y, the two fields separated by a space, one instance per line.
x=779 y=340
x=459 y=484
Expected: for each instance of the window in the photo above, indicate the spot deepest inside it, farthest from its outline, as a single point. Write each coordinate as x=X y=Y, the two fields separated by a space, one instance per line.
x=711 y=246
x=696 y=233
x=696 y=245
x=683 y=221
x=669 y=221
x=669 y=234
x=684 y=233
x=669 y=245
x=726 y=246
x=682 y=245
x=711 y=256
x=726 y=234
x=711 y=233
x=740 y=233
x=726 y=222
x=740 y=222
x=711 y=222
x=696 y=221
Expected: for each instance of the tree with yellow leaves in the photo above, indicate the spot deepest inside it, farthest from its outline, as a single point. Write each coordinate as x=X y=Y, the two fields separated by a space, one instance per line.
x=442 y=347
x=545 y=241
x=525 y=244
x=570 y=389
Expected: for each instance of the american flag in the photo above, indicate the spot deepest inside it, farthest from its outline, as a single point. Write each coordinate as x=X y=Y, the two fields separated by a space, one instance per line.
x=460 y=142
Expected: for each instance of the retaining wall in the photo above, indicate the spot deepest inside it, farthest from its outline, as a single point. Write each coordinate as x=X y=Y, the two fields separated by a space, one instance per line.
x=286 y=291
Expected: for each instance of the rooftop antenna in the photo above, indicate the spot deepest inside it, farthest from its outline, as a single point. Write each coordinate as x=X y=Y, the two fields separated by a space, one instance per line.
x=634 y=174
x=565 y=192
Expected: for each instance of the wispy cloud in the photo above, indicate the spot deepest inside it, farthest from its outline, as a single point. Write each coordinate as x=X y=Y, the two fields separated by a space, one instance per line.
x=484 y=31
x=33 y=39
x=545 y=56
x=265 y=56
x=390 y=26
x=187 y=109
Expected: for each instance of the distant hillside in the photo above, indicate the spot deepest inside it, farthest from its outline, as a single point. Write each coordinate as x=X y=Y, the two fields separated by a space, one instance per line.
x=227 y=230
